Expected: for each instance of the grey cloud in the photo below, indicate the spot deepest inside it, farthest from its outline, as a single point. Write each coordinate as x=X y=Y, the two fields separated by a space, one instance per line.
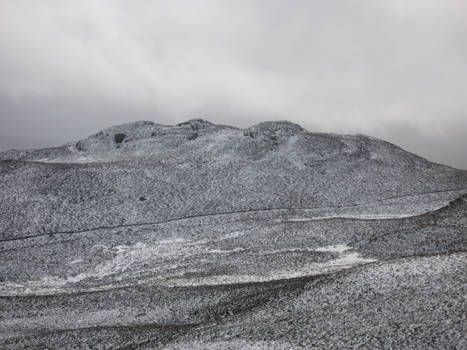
x=396 y=70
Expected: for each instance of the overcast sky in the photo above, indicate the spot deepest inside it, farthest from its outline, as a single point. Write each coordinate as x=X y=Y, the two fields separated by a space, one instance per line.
x=394 y=69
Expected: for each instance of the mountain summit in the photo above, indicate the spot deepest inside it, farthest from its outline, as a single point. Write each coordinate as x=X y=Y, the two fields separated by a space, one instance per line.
x=145 y=172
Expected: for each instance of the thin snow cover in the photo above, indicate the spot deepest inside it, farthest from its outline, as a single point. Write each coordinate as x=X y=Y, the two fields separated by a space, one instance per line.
x=287 y=250
x=392 y=208
x=159 y=313
x=294 y=220
x=76 y=261
x=237 y=344
x=82 y=159
x=160 y=261
x=338 y=248
x=129 y=259
x=229 y=251
x=351 y=216
x=345 y=259
x=71 y=160
x=47 y=160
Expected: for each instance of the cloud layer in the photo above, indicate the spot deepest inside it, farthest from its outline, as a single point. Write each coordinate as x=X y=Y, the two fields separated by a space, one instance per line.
x=393 y=69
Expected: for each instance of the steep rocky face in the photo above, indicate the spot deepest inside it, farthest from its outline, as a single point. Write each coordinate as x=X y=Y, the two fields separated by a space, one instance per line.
x=203 y=236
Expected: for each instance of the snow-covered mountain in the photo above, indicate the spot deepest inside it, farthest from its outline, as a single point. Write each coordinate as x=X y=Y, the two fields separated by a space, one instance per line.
x=213 y=237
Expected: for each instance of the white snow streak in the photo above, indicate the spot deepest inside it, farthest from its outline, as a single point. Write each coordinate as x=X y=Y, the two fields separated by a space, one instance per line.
x=338 y=248
x=160 y=262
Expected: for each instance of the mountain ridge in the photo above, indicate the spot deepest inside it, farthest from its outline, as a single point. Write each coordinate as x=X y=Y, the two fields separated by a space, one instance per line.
x=195 y=124
x=158 y=172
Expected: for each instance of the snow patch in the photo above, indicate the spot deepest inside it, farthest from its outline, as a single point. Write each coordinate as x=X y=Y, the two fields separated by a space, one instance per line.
x=220 y=251
x=132 y=258
x=76 y=261
x=159 y=263
x=70 y=160
x=350 y=216
x=345 y=259
x=338 y=248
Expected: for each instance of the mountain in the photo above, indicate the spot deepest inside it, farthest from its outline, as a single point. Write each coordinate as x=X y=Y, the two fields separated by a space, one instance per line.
x=207 y=236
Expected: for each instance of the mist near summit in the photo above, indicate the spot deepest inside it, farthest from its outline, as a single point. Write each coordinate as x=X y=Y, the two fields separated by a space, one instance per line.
x=391 y=69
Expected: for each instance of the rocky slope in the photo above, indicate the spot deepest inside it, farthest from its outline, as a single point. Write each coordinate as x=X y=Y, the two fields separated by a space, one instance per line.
x=212 y=237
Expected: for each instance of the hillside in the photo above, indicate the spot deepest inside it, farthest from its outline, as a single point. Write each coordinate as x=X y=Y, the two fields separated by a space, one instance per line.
x=207 y=236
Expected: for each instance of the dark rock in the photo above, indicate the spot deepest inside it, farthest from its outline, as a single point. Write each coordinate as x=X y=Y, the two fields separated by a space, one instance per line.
x=118 y=138
x=250 y=132
x=196 y=124
x=79 y=146
x=192 y=136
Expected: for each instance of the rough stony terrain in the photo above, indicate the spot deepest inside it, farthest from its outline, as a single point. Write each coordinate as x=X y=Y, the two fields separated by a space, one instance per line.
x=203 y=236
